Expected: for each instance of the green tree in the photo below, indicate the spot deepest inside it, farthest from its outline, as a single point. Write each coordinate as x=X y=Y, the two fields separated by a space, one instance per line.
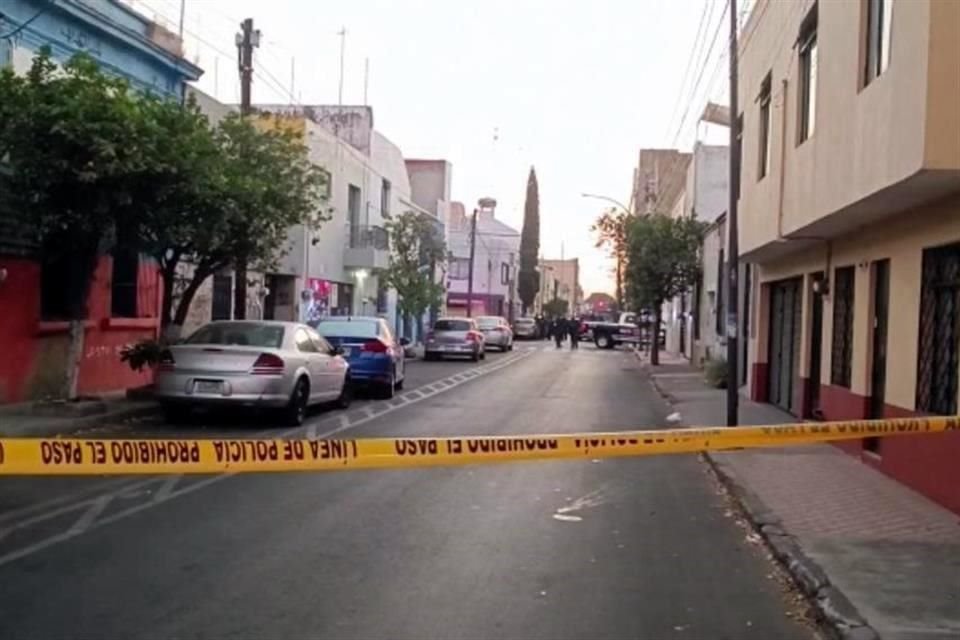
x=611 y=230
x=72 y=139
x=556 y=308
x=663 y=261
x=528 y=279
x=414 y=246
x=260 y=184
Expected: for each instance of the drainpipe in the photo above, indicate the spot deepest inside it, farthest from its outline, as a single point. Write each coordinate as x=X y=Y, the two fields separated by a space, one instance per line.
x=783 y=158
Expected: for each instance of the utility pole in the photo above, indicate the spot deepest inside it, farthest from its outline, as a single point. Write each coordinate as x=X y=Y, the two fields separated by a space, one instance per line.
x=473 y=251
x=733 y=245
x=343 y=45
x=246 y=40
x=183 y=10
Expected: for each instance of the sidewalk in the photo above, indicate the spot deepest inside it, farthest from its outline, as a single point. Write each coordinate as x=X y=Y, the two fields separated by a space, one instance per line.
x=878 y=558
x=30 y=420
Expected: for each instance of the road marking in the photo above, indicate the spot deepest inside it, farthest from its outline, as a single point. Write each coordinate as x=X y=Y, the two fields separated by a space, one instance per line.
x=83 y=522
x=162 y=496
x=166 y=489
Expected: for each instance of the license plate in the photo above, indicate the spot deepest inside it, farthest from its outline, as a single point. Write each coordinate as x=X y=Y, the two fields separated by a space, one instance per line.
x=207 y=386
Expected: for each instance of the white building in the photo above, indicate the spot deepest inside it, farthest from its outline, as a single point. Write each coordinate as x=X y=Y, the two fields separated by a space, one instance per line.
x=495 y=263
x=332 y=270
x=693 y=322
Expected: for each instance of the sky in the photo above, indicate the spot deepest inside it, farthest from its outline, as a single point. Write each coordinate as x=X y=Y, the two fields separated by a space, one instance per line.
x=573 y=88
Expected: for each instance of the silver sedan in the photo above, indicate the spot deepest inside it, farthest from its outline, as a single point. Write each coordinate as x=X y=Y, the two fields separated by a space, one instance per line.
x=496 y=332
x=281 y=365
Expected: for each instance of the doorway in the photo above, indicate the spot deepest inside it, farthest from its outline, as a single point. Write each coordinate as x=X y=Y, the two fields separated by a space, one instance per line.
x=878 y=369
x=816 y=345
x=784 y=348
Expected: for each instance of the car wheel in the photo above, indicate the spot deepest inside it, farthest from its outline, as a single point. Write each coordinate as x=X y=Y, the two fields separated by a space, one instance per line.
x=398 y=385
x=176 y=413
x=387 y=389
x=296 y=410
x=346 y=394
x=603 y=341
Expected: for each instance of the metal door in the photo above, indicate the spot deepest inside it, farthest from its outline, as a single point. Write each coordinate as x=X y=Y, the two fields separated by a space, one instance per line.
x=816 y=346
x=937 y=360
x=785 y=319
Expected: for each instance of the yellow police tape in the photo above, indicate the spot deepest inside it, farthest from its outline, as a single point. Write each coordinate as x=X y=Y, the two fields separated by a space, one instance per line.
x=29 y=456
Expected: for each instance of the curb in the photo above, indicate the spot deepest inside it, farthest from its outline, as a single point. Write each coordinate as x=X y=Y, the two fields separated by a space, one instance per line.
x=840 y=615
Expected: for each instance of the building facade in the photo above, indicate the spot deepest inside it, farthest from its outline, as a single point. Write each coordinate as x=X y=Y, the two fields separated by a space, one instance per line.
x=850 y=213
x=124 y=302
x=560 y=279
x=495 y=263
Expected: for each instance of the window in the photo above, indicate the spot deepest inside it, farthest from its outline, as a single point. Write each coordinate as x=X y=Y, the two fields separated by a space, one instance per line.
x=319 y=341
x=764 y=138
x=123 y=278
x=353 y=215
x=939 y=341
x=222 y=297
x=385 y=199
x=459 y=268
x=304 y=343
x=879 y=16
x=721 y=281
x=454 y=325
x=504 y=273
x=252 y=334
x=807 y=110
x=842 y=345
x=327 y=183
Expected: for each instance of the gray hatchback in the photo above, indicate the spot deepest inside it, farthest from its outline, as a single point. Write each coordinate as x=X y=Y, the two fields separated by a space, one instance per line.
x=454 y=337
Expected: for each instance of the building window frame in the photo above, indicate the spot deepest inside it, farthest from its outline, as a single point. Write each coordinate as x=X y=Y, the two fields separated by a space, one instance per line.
x=807 y=91
x=938 y=348
x=841 y=340
x=765 y=102
x=877 y=35
x=385 y=191
x=504 y=273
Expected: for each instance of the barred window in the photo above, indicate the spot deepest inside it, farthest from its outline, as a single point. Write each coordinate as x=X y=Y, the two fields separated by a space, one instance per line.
x=842 y=348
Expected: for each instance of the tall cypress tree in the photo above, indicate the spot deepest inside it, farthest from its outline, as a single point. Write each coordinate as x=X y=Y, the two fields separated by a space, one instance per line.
x=528 y=279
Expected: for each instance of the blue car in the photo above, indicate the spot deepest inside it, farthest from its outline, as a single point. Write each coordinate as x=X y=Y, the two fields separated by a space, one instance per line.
x=376 y=357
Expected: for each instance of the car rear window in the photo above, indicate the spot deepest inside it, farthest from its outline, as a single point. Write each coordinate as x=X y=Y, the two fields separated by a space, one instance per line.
x=247 y=334
x=488 y=323
x=452 y=325
x=348 y=328
x=525 y=321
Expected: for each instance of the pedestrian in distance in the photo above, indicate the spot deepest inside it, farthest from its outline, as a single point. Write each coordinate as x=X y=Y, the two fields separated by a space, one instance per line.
x=573 y=329
x=559 y=330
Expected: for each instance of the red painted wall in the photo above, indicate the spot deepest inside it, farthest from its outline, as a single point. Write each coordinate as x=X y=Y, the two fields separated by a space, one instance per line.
x=761 y=378
x=35 y=351
x=19 y=313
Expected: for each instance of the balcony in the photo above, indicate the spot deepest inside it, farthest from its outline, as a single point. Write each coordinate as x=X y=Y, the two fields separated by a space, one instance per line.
x=367 y=247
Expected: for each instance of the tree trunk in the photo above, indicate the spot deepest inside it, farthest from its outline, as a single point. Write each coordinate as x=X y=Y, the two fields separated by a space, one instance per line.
x=183 y=305
x=240 y=288
x=74 y=353
x=655 y=338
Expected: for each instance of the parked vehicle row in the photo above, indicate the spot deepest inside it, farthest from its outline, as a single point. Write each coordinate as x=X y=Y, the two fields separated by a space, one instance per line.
x=283 y=366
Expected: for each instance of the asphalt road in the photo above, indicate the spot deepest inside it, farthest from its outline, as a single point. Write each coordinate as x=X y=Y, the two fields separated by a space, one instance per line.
x=641 y=548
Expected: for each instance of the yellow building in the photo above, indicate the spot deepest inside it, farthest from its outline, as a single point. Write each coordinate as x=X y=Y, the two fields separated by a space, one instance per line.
x=850 y=212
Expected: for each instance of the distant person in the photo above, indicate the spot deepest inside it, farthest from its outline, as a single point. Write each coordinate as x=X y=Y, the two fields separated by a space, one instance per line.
x=573 y=329
x=559 y=330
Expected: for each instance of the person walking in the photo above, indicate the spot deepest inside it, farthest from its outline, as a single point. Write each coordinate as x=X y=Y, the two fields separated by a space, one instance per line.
x=559 y=330
x=573 y=329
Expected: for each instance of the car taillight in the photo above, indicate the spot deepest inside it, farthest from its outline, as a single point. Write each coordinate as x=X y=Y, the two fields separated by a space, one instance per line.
x=267 y=364
x=374 y=346
x=166 y=362
x=430 y=336
x=473 y=336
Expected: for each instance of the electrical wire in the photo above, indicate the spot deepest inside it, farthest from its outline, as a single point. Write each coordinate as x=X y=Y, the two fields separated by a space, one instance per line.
x=40 y=12
x=697 y=39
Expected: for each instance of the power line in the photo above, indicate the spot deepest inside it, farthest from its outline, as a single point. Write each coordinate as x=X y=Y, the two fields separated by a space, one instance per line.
x=26 y=24
x=700 y=36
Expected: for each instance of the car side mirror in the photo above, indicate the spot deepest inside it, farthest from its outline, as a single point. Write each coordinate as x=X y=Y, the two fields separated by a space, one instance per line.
x=404 y=342
x=336 y=351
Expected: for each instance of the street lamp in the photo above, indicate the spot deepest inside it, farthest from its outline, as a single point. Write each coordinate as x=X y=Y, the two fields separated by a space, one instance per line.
x=595 y=196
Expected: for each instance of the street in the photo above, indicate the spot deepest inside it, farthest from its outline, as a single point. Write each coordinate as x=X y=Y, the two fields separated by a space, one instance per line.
x=633 y=548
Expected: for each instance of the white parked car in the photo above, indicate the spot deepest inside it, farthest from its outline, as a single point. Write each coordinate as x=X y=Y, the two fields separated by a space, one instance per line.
x=496 y=332
x=282 y=365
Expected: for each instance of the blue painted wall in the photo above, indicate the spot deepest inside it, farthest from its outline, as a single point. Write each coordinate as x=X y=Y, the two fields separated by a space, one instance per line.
x=114 y=35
